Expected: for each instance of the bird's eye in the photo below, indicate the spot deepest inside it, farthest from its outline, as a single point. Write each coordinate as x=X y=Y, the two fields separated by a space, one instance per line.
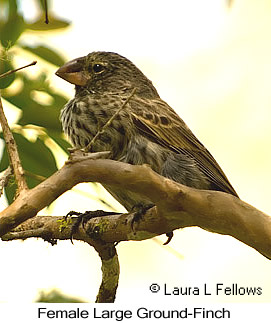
x=98 y=68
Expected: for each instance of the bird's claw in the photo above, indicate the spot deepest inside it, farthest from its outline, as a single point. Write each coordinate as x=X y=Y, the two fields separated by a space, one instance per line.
x=169 y=237
x=83 y=218
x=140 y=210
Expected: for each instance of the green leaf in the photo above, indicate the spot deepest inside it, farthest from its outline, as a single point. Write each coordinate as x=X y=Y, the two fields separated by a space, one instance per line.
x=12 y=30
x=54 y=23
x=55 y=296
x=36 y=158
x=12 y=7
x=33 y=112
x=36 y=114
x=58 y=138
x=47 y=54
x=10 y=191
x=6 y=66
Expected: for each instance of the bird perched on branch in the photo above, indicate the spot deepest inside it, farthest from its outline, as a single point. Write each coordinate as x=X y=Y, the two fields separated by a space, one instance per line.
x=146 y=131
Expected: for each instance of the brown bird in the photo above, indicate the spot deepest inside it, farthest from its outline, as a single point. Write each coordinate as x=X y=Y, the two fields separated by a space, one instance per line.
x=146 y=131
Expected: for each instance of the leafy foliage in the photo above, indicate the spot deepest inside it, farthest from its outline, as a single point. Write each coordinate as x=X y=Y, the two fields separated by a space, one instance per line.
x=55 y=296
x=38 y=103
x=5 y=82
x=46 y=53
x=36 y=158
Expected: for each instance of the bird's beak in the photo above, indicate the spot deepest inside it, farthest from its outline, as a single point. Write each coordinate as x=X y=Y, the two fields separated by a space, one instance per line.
x=74 y=72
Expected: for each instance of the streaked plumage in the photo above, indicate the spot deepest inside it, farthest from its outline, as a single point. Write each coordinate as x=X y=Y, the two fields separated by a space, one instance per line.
x=147 y=130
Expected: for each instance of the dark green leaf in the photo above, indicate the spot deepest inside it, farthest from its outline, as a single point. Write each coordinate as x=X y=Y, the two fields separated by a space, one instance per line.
x=54 y=23
x=36 y=158
x=12 y=7
x=58 y=138
x=34 y=113
x=55 y=296
x=6 y=66
x=47 y=54
x=10 y=191
x=46 y=115
x=12 y=30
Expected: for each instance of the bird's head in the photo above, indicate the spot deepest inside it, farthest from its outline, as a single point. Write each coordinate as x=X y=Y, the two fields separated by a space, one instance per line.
x=106 y=72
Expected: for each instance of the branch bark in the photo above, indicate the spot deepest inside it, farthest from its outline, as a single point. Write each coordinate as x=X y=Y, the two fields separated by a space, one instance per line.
x=4 y=178
x=13 y=154
x=12 y=149
x=177 y=206
x=48 y=228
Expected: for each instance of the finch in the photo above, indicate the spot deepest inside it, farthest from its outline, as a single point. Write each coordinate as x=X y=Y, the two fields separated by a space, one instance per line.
x=146 y=131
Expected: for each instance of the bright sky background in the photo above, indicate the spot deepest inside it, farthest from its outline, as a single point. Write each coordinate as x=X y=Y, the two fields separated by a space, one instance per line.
x=212 y=65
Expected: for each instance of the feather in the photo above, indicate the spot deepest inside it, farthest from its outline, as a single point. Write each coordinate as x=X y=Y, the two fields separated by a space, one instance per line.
x=170 y=131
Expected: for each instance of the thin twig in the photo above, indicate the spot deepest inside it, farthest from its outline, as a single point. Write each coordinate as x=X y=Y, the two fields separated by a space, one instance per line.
x=39 y=178
x=12 y=150
x=4 y=178
x=17 y=69
x=46 y=12
x=108 y=123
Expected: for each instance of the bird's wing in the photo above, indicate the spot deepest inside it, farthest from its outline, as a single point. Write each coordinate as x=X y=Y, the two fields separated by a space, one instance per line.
x=156 y=120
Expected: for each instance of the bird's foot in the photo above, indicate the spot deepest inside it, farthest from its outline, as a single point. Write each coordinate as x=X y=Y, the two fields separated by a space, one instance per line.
x=140 y=210
x=83 y=218
x=169 y=237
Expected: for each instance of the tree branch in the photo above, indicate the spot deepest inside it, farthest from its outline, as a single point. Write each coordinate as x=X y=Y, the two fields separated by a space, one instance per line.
x=177 y=206
x=12 y=149
x=110 y=273
x=48 y=228
x=13 y=154
x=4 y=179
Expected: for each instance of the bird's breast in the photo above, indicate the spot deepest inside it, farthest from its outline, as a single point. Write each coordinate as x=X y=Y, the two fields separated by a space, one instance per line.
x=83 y=119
